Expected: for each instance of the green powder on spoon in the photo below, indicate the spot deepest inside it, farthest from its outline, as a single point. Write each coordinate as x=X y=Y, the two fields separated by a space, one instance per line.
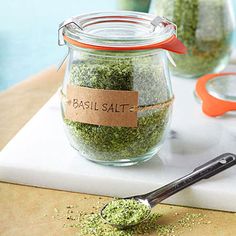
x=125 y=212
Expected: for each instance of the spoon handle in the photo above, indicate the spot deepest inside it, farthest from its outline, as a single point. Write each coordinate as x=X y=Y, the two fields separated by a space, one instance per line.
x=204 y=171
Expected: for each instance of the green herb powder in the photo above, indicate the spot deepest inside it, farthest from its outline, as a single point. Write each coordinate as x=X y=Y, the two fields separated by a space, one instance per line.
x=205 y=28
x=144 y=74
x=91 y=223
x=125 y=212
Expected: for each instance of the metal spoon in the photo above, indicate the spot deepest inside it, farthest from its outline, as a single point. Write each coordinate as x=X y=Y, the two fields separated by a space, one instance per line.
x=204 y=171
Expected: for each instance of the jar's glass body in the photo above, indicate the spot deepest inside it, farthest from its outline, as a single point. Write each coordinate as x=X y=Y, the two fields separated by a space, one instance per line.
x=206 y=28
x=143 y=71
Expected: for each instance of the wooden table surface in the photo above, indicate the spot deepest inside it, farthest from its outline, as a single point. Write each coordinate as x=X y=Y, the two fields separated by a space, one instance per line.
x=30 y=211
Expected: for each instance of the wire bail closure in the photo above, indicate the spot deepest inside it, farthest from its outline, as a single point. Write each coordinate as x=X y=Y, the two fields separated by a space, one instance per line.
x=163 y=20
x=158 y=20
x=61 y=41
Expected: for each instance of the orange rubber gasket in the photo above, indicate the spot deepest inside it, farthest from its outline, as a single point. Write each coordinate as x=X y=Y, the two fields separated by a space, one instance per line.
x=173 y=44
x=213 y=106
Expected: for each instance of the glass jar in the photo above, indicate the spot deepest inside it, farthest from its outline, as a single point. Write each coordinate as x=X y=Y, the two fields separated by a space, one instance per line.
x=116 y=95
x=206 y=28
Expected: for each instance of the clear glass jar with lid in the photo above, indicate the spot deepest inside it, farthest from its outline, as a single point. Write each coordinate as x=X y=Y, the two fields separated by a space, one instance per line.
x=116 y=95
x=206 y=28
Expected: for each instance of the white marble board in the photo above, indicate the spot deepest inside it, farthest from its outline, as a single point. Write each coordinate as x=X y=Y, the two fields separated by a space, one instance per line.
x=40 y=155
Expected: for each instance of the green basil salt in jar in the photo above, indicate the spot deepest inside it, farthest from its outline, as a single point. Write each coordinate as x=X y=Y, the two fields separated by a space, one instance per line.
x=116 y=95
x=206 y=28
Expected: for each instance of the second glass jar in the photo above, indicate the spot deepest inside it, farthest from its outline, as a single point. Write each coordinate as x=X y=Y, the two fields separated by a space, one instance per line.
x=206 y=28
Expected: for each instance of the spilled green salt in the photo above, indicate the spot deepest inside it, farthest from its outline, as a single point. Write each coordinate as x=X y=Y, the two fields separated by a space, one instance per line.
x=94 y=225
x=91 y=224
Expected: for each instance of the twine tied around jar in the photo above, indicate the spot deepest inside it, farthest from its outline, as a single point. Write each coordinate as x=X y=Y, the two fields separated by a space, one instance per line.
x=161 y=105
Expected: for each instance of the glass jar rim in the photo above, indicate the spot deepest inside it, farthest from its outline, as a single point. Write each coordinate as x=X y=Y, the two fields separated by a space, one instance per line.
x=116 y=29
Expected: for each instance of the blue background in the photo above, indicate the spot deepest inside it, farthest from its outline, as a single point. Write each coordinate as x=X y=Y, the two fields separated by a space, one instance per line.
x=28 y=34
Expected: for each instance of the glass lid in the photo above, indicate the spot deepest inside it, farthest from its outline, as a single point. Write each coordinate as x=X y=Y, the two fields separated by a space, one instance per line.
x=223 y=87
x=117 y=29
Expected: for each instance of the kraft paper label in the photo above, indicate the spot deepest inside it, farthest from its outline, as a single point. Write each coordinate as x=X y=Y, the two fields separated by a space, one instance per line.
x=101 y=107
